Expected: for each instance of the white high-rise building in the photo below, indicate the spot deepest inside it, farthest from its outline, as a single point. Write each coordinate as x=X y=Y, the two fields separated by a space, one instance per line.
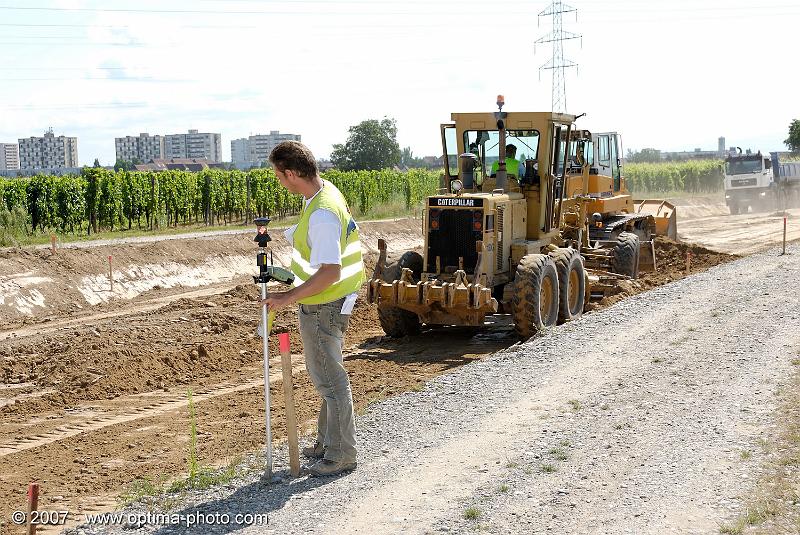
x=240 y=153
x=143 y=147
x=194 y=145
x=9 y=156
x=254 y=150
x=48 y=152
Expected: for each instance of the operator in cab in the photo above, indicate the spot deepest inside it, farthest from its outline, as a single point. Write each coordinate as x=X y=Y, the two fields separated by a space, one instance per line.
x=512 y=164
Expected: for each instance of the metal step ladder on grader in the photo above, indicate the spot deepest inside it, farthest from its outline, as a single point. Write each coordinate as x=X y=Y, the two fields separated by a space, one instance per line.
x=537 y=234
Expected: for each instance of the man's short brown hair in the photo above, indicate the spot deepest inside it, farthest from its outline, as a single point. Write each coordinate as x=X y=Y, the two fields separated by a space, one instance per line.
x=296 y=157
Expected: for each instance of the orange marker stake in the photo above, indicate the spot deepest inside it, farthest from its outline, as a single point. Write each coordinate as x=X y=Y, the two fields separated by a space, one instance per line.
x=110 y=274
x=688 y=262
x=288 y=397
x=53 y=243
x=784 y=235
x=33 y=505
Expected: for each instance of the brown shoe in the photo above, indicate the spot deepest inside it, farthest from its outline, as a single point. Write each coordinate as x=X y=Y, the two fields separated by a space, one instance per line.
x=326 y=467
x=317 y=451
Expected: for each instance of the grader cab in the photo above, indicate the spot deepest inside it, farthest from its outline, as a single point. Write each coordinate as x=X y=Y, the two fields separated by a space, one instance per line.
x=508 y=232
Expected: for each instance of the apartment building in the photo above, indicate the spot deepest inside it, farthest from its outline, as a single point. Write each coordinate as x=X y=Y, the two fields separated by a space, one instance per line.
x=254 y=150
x=9 y=156
x=194 y=145
x=240 y=153
x=48 y=151
x=142 y=148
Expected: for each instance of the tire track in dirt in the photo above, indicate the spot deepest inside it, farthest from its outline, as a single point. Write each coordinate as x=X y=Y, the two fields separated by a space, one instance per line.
x=156 y=405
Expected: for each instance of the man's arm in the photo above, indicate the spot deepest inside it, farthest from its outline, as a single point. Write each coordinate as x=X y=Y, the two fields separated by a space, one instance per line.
x=326 y=276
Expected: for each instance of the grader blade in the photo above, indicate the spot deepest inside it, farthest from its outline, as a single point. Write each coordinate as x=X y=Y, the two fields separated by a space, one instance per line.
x=647 y=256
x=664 y=214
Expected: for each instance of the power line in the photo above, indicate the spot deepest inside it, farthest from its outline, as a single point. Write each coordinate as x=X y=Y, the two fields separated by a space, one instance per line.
x=249 y=12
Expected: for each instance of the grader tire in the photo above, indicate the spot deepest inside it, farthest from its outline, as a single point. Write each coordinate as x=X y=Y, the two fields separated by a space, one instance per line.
x=413 y=261
x=625 y=260
x=571 y=283
x=534 y=304
x=395 y=321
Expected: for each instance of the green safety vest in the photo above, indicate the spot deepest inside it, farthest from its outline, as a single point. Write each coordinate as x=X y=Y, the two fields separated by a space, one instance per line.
x=512 y=167
x=352 y=275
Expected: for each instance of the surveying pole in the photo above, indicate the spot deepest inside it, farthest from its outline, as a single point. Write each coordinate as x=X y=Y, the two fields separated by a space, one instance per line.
x=267 y=271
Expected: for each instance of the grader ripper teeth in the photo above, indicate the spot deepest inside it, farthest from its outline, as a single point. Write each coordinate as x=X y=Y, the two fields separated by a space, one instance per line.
x=459 y=297
x=434 y=301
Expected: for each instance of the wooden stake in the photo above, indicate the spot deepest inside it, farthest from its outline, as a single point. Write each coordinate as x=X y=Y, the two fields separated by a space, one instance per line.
x=288 y=397
x=688 y=262
x=784 y=235
x=110 y=274
x=53 y=243
x=33 y=505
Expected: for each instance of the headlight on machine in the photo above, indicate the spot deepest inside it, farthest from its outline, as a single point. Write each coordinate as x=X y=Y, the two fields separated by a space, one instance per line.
x=727 y=196
x=763 y=193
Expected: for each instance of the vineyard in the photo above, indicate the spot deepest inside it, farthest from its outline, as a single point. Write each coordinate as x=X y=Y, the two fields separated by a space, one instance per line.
x=697 y=176
x=102 y=199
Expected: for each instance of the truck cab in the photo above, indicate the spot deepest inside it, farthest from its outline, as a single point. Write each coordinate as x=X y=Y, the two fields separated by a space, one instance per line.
x=748 y=182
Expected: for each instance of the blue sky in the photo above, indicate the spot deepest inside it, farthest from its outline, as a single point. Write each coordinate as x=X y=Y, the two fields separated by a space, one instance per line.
x=673 y=76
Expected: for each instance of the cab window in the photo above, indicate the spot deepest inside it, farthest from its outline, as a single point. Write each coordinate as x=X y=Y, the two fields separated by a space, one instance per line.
x=485 y=144
x=603 y=150
x=451 y=149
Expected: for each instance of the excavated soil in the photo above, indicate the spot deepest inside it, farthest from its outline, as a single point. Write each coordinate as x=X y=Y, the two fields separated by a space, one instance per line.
x=93 y=398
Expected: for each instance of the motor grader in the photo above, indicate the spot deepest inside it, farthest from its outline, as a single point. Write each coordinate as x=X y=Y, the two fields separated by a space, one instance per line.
x=511 y=236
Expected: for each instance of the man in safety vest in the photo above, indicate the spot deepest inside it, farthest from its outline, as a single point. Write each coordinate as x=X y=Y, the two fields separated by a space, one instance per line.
x=328 y=269
x=512 y=164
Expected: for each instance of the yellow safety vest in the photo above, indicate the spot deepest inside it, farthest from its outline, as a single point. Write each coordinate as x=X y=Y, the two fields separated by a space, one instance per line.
x=352 y=274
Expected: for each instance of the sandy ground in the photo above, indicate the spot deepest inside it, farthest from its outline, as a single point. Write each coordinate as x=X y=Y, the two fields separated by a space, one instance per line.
x=95 y=396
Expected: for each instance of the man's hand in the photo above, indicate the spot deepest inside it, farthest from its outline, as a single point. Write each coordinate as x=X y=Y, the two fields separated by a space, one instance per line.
x=277 y=301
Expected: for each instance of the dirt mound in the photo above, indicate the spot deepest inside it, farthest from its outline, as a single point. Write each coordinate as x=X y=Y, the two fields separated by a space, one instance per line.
x=671 y=265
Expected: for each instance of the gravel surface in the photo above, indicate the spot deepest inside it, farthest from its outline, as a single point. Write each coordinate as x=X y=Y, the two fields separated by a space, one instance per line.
x=632 y=420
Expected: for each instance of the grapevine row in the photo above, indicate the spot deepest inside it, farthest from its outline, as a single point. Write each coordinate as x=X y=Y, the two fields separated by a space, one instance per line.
x=102 y=199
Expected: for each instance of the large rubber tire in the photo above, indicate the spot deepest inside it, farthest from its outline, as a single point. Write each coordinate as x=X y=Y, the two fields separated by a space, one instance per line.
x=395 y=321
x=534 y=304
x=413 y=261
x=571 y=283
x=625 y=259
x=734 y=208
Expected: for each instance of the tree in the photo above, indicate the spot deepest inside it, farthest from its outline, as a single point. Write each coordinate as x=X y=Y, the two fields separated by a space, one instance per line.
x=793 y=141
x=97 y=163
x=126 y=165
x=370 y=145
x=409 y=161
x=644 y=155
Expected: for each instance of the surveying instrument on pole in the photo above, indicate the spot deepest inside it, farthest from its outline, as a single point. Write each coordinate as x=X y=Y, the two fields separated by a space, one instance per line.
x=267 y=271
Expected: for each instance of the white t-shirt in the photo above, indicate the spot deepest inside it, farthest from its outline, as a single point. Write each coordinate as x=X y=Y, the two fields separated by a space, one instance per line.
x=324 y=237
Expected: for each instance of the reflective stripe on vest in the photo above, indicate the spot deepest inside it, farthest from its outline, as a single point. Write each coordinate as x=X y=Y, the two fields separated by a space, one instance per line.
x=352 y=273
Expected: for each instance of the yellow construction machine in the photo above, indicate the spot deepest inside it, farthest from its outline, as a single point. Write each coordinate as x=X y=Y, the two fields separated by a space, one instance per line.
x=515 y=234
x=612 y=208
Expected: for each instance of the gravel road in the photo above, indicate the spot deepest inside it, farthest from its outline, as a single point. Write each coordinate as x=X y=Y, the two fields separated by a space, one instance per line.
x=632 y=420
